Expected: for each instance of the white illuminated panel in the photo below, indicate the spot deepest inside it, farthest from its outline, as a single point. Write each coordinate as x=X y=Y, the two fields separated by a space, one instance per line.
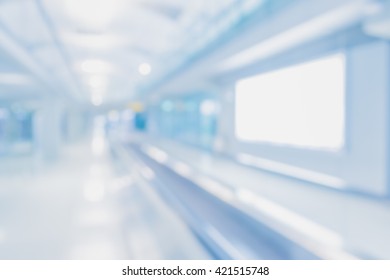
x=302 y=105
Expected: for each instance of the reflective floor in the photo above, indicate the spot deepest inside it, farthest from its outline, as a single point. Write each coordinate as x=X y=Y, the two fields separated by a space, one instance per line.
x=133 y=197
x=86 y=206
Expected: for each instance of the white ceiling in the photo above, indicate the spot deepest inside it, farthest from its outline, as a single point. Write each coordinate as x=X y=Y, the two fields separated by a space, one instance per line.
x=92 y=50
x=94 y=47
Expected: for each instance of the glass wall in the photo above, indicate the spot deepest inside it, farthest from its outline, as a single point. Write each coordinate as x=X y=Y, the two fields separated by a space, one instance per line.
x=191 y=119
x=16 y=130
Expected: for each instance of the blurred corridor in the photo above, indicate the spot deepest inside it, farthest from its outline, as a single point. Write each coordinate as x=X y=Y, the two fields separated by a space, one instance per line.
x=167 y=129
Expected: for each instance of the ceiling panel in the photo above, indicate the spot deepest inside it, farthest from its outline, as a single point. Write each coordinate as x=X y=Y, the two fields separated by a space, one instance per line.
x=64 y=35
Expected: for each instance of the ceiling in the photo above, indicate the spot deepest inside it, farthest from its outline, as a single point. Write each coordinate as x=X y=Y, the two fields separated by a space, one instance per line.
x=107 y=51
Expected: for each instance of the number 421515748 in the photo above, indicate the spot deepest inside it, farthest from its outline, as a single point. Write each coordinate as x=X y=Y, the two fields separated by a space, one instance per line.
x=253 y=270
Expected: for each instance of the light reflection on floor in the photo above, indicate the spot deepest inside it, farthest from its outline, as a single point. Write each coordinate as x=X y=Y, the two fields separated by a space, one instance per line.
x=84 y=207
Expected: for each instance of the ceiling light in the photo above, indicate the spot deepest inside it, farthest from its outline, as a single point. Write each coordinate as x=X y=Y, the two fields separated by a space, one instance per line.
x=103 y=41
x=98 y=81
x=95 y=66
x=97 y=96
x=93 y=14
x=144 y=69
x=96 y=99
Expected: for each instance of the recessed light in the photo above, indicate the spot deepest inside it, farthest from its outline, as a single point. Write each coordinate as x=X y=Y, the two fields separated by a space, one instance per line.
x=144 y=69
